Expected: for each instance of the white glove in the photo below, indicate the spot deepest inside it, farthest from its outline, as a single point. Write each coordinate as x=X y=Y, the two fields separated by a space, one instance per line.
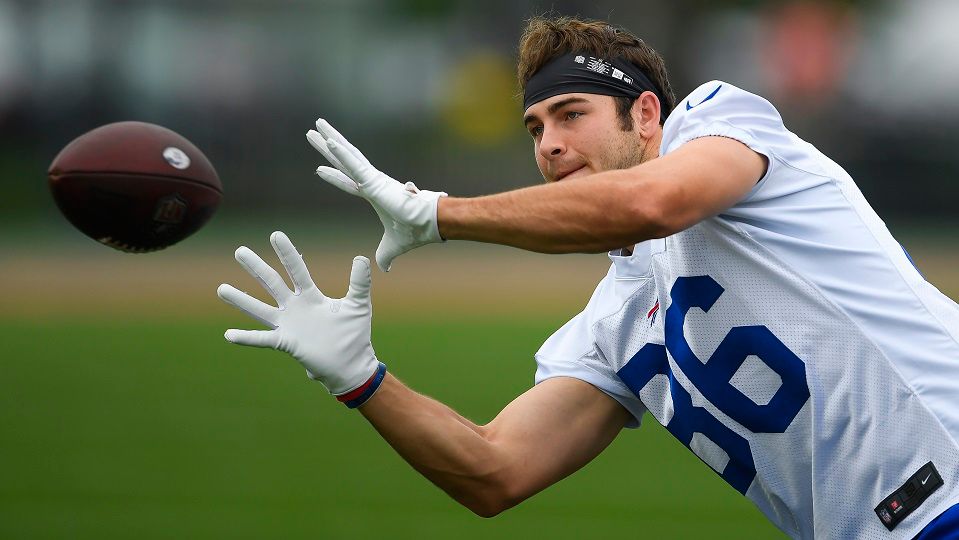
x=330 y=337
x=408 y=214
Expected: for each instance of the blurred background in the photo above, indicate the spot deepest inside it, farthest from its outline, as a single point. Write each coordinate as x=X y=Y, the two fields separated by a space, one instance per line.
x=122 y=411
x=426 y=87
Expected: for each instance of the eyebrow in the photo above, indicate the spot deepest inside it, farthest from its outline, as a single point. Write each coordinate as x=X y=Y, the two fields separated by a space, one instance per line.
x=555 y=107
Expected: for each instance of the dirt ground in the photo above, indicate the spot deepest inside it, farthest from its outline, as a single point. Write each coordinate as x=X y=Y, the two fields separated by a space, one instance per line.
x=460 y=279
x=44 y=284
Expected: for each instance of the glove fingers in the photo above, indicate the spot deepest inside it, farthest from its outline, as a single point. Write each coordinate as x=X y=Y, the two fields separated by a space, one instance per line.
x=292 y=261
x=387 y=251
x=264 y=313
x=319 y=143
x=264 y=273
x=360 y=279
x=357 y=169
x=330 y=133
x=338 y=179
x=253 y=338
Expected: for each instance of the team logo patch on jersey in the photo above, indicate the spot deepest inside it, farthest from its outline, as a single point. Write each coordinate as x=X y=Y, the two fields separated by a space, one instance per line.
x=902 y=502
x=651 y=316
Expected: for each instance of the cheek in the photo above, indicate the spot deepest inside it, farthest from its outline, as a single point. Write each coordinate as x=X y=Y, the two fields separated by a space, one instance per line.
x=592 y=149
x=540 y=160
x=592 y=140
x=615 y=150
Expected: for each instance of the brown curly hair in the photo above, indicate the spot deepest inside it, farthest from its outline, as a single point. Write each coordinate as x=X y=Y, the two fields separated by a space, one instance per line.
x=547 y=38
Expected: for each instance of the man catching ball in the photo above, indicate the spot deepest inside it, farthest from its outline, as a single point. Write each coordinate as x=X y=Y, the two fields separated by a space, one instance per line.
x=756 y=305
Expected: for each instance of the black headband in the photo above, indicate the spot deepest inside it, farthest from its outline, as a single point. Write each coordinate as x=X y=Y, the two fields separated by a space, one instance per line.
x=580 y=72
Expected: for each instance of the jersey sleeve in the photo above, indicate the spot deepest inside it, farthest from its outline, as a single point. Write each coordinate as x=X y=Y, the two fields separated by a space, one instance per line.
x=571 y=352
x=719 y=109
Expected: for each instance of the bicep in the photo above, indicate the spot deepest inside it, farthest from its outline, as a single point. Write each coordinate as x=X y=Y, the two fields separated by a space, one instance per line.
x=551 y=431
x=701 y=179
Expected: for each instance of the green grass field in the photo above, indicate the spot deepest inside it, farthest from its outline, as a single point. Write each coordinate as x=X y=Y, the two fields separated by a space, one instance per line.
x=157 y=428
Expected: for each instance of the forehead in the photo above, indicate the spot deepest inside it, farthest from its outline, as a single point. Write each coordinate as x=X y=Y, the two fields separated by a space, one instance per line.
x=541 y=108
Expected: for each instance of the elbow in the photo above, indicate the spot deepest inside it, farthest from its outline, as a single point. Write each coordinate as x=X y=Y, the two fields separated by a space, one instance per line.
x=489 y=506
x=490 y=498
x=491 y=482
x=486 y=510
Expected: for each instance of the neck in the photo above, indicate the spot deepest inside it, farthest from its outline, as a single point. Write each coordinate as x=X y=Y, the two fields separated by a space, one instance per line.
x=651 y=149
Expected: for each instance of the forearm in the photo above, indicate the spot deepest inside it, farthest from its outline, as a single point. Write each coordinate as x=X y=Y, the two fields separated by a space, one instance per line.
x=590 y=214
x=446 y=448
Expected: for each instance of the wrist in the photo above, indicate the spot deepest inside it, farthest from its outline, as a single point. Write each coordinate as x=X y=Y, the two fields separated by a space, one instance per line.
x=446 y=212
x=361 y=394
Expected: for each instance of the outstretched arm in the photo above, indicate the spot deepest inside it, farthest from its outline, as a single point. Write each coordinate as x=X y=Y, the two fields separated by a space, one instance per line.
x=544 y=435
x=611 y=209
x=593 y=213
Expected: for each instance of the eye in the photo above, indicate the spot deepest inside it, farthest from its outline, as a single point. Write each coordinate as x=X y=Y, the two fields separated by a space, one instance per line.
x=573 y=115
x=536 y=131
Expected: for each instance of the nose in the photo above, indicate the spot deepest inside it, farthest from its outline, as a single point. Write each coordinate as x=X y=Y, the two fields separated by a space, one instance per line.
x=551 y=145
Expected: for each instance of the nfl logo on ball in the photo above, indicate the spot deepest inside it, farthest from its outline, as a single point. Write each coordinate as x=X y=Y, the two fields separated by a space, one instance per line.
x=170 y=210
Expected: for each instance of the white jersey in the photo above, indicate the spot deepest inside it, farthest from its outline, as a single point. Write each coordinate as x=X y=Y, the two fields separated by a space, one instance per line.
x=788 y=342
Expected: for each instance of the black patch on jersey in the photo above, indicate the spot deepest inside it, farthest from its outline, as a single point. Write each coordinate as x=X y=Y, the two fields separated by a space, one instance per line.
x=902 y=502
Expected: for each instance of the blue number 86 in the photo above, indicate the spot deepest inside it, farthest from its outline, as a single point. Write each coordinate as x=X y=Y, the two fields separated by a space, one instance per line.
x=712 y=379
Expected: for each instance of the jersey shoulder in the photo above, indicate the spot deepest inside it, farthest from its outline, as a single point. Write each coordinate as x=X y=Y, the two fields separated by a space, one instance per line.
x=718 y=108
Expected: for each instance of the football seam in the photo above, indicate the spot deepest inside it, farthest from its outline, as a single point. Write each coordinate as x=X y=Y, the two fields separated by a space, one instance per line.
x=60 y=174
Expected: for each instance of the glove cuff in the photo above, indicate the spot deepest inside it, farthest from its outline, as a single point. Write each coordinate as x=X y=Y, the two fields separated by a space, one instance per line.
x=365 y=391
x=435 y=218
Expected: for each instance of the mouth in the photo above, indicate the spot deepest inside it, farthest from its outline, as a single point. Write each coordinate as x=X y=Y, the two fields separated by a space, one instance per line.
x=569 y=172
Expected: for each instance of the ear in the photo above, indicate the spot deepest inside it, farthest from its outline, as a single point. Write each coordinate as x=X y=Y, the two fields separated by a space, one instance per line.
x=645 y=112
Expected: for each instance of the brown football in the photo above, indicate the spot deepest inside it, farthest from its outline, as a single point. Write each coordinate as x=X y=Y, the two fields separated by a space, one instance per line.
x=134 y=186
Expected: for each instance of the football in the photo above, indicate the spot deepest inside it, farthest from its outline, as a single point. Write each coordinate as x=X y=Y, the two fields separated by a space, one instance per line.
x=134 y=186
